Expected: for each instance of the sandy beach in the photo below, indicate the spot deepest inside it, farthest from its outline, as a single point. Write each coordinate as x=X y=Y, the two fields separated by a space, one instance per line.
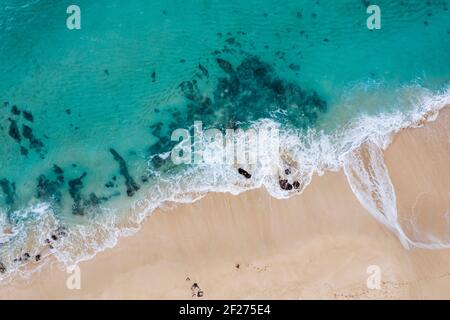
x=315 y=245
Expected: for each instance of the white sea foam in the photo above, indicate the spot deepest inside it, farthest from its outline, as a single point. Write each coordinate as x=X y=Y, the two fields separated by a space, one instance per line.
x=356 y=148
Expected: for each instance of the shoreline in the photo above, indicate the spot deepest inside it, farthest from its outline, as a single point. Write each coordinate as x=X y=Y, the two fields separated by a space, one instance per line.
x=256 y=246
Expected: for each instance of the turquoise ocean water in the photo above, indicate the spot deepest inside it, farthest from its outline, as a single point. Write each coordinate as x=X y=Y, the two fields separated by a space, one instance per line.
x=85 y=114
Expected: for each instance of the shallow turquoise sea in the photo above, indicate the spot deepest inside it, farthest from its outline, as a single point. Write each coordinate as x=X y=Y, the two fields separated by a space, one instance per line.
x=85 y=113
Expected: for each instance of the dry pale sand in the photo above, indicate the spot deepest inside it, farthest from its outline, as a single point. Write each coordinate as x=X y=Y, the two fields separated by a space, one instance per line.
x=315 y=245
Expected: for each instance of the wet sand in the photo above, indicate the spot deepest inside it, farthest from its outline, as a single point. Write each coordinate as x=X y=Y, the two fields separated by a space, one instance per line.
x=315 y=245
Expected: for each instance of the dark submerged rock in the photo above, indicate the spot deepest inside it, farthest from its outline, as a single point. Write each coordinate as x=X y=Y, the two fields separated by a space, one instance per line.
x=94 y=200
x=59 y=174
x=14 y=131
x=156 y=129
x=231 y=41
x=225 y=65
x=190 y=90
x=131 y=185
x=109 y=184
x=15 y=111
x=256 y=84
x=9 y=190
x=294 y=67
x=35 y=143
x=50 y=189
x=28 y=116
x=75 y=187
x=203 y=70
